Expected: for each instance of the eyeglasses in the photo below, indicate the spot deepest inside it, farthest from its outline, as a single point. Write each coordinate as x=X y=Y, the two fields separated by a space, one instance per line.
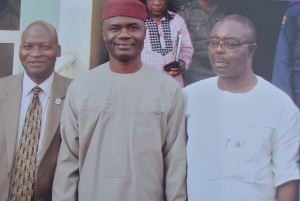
x=226 y=45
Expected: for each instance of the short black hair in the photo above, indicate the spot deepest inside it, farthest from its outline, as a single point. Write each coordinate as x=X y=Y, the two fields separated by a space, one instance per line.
x=244 y=21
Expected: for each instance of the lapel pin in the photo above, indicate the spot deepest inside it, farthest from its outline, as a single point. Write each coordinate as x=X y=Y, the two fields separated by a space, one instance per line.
x=58 y=101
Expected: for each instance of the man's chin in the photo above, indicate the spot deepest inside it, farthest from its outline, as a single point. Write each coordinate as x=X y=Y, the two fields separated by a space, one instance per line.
x=39 y=73
x=124 y=58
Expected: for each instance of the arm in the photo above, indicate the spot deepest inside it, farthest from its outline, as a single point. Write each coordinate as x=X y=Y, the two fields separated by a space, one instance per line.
x=66 y=176
x=285 y=155
x=174 y=151
x=186 y=48
x=288 y=191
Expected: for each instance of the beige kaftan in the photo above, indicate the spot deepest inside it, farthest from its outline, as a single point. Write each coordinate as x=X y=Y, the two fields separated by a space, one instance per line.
x=123 y=138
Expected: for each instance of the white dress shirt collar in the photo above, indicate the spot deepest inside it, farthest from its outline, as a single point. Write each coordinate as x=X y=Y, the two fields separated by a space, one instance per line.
x=28 y=85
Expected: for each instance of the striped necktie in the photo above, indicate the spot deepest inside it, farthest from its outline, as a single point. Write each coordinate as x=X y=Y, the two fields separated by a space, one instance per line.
x=22 y=186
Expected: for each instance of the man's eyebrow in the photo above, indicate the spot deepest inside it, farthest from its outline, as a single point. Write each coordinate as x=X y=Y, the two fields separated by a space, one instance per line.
x=110 y=25
x=127 y=25
x=133 y=23
x=225 y=38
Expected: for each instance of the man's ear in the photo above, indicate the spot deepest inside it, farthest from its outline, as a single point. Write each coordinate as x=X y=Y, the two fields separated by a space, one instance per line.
x=59 y=51
x=252 y=49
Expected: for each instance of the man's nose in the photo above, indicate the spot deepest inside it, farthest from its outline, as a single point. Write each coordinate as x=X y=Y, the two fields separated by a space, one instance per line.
x=36 y=52
x=124 y=33
x=220 y=47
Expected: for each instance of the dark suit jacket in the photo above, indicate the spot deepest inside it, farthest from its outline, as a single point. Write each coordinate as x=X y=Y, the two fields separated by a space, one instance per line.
x=10 y=102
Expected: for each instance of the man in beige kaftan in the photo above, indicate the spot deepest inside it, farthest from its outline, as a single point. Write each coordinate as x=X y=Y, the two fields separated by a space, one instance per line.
x=123 y=135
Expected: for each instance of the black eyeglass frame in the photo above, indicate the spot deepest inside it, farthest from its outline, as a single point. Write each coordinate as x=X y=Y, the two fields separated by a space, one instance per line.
x=227 y=46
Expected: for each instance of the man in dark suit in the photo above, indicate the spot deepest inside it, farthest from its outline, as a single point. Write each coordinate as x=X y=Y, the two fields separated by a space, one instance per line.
x=38 y=52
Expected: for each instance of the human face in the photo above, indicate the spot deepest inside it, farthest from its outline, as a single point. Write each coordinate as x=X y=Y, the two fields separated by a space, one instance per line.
x=38 y=51
x=156 y=8
x=124 y=37
x=233 y=62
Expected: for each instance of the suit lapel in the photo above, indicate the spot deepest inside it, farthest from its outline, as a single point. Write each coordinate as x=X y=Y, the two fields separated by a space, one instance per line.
x=58 y=91
x=11 y=110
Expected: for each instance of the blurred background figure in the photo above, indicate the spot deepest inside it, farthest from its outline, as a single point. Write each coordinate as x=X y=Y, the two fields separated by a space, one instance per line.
x=161 y=42
x=200 y=17
x=286 y=70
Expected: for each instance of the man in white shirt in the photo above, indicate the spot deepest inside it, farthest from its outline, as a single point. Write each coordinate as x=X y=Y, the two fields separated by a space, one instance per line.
x=243 y=133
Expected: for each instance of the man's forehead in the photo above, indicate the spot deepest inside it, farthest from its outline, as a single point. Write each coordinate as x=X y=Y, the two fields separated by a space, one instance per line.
x=31 y=40
x=39 y=30
x=230 y=29
x=34 y=36
x=123 y=20
x=229 y=24
x=39 y=27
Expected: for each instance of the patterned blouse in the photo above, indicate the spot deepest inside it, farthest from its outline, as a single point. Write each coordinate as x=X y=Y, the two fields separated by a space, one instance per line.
x=161 y=42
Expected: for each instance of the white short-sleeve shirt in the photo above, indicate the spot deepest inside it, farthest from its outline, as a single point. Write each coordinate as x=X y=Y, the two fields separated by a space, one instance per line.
x=241 y=146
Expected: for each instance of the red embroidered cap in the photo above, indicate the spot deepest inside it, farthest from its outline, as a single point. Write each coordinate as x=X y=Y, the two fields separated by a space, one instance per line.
x=128 y=8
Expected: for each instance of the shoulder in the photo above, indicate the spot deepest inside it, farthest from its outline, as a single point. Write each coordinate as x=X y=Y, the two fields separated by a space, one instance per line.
x=294 y=5
x=178 y=18
x=264 y=85
x=62 y=79
x=91 y=75
x=10 y=78
x=178 y=21
x=154 y=73
x=273 y=96
x=201 y=86
x=293 y=9
x=10 y=84
x=10 y=81
x=203 y=89
x=156 y=79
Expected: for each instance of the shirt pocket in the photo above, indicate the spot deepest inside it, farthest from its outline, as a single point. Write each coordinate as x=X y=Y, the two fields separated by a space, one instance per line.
x=90 y=115
x=149 y=128
x=246 y=153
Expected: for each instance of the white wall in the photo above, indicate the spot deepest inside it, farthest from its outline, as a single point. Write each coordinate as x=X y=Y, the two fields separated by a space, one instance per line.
x=47 y=10
x=75 y=33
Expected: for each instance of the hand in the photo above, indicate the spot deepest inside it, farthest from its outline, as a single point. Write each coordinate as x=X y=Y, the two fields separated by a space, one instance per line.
x=174 y=68
x=168 y=67
x=174 y=72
